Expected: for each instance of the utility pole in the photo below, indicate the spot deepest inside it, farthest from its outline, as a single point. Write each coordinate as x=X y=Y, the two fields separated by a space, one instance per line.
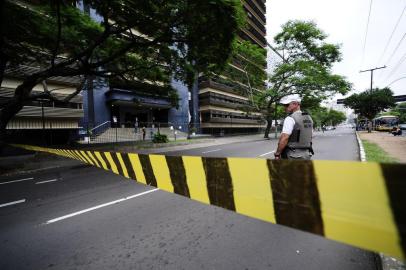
x=372 y=73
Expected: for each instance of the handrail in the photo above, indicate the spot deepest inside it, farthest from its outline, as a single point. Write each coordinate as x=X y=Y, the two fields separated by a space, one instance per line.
x=96 y=127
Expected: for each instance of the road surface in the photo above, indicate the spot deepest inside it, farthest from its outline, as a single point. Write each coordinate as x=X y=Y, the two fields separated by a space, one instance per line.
x=85 y=218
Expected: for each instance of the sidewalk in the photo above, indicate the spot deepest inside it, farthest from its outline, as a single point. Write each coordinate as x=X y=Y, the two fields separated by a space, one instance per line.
x=395 y=146
x=145 y=147
x=204 y=143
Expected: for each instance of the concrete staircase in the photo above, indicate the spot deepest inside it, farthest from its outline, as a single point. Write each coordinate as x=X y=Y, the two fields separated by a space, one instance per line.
x=112 y=135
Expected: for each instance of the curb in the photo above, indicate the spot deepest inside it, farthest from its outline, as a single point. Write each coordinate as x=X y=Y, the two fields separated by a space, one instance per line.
x=361 y=149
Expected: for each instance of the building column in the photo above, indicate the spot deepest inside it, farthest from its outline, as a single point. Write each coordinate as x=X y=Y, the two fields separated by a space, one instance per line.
x=90 y=102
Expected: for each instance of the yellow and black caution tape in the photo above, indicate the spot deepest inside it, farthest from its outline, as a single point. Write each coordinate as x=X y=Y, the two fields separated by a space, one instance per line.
x=362 y=204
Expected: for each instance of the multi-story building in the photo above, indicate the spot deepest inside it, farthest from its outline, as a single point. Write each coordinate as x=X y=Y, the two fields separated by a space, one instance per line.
x=216 y=108
x=221 y=99
x=114 y=103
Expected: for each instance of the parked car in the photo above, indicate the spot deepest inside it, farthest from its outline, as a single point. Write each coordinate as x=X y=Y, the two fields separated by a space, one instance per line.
x=402 y=126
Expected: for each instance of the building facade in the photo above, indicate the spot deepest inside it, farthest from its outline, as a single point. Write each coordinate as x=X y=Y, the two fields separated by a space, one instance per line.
x=221 y=98
x=213 y=104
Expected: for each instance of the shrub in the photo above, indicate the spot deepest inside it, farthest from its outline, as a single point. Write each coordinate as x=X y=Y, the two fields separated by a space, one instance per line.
x=160 y=138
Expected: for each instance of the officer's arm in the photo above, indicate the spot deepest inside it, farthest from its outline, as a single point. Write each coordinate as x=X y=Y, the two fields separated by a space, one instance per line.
x=283 y=141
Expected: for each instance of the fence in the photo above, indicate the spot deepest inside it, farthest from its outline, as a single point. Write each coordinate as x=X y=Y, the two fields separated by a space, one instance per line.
x=144 y=131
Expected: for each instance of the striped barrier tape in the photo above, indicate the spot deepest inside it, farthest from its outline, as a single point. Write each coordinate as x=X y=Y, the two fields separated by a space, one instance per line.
x=361 y=204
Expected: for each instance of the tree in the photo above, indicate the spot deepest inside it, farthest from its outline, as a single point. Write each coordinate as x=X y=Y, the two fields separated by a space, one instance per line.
x=399 y=111
x=135 y=40
x=305 y=68
x=369 y=103
x=321 y=115
x=335 y=117
x=251 y=60
x=245 y=73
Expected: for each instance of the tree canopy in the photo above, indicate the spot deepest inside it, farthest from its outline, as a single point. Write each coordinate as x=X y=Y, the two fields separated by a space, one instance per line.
x=246 y=69
x=400 y=111
x=306 y=66
x=130 y=40
x=371 y=102
x=323 y=116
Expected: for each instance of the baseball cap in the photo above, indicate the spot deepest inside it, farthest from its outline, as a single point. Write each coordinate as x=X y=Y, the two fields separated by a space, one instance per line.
x=289 y=99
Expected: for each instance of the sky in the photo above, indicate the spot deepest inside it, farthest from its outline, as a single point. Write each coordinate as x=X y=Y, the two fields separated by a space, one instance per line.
x=345 y=22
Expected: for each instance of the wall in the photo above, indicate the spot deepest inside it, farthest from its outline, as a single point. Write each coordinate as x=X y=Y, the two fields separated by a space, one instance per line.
x=180 y=117
x=100 y=107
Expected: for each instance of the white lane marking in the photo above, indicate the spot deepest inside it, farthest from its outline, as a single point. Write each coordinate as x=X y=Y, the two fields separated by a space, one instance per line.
x=19 y=180
x=266 y=153
x=99 y=206
x=47 y=181
x=211 y=151
x=12 y=203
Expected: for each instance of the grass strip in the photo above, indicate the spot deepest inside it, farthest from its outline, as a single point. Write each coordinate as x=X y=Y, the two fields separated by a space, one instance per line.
x=376 y=154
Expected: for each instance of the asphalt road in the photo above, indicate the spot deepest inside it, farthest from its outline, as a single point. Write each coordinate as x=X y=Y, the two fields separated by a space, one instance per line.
x=339 y=144
x=85 y=218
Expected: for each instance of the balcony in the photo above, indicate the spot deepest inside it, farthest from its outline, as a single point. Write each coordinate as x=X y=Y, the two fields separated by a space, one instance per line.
x=222 y=103
x=219 y=100
x=222 y=85
x=215 y=118
x=235 y=121
x=30 y=117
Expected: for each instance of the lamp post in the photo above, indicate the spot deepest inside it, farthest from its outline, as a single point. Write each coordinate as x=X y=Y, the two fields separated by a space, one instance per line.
x=42 y=100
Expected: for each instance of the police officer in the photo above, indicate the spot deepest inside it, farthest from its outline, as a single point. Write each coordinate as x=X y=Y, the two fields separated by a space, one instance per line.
x=296 y=138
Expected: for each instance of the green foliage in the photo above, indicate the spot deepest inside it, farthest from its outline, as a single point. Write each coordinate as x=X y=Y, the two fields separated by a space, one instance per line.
x=147 y=41
x=399 y=111
x=369 y=103
x=160 y=138
x=252 y=60
x=306 y=67
x=246 y=70
x=321 y=115
x=335 y=117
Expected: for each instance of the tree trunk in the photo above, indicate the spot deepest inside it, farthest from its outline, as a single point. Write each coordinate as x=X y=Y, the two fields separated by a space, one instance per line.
x=268 y=126
x=268 y=119
x=3 y=64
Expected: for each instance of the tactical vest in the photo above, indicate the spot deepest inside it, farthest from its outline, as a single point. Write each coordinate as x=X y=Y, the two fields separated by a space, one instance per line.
x=301 y=136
